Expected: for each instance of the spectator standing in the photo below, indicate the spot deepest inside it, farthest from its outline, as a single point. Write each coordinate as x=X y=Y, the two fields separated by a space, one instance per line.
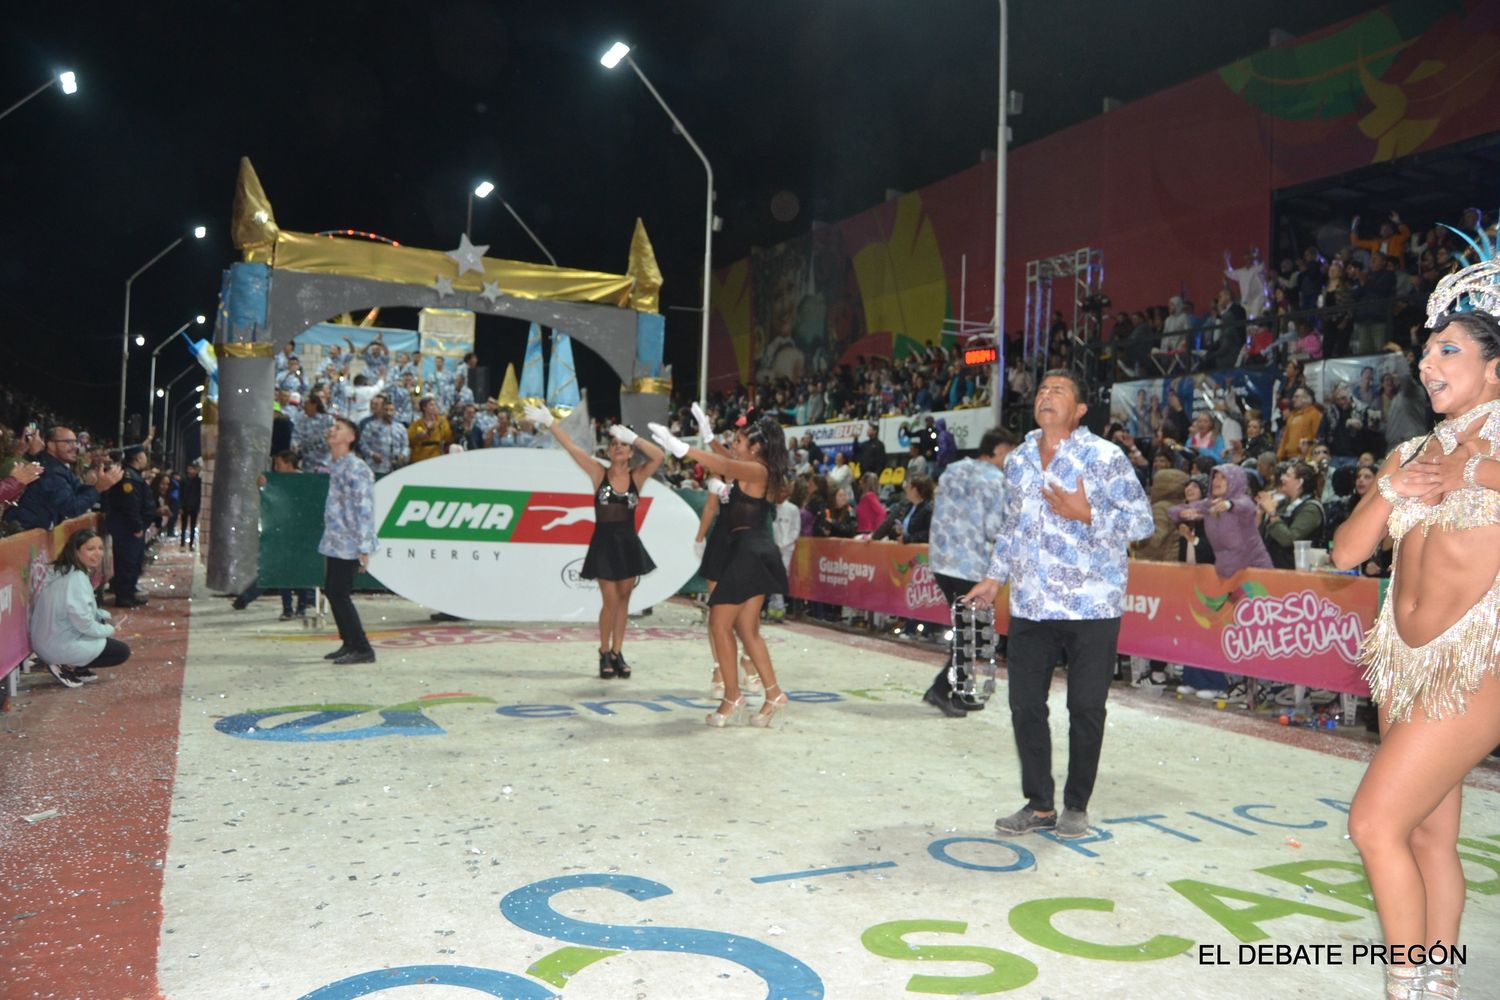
x=1302 y=423
x=128 y=508
x=69 y=631
x=1343 y=425
x=1251 y=279
x=348 y=539
x=966 y=520
x=291 y=379
x=1391 y=242
x=312 y=424
x=916 y=465
x=190 y=500
x=1338 y=298
x=1072 y=507
x=383 y=441
x=1371 y=318
x=872 y=451
x=1257 y=441
x=58 y=494
x=429 y=436
x=869 y=513
x=1168 y=489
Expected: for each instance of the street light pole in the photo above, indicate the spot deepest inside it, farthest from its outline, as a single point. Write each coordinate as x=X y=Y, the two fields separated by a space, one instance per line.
x=68 y=80
x=166 y=410
x=151 y=393
x=540 y=246
x=619 y=51
x=997 y=386
x=198 y=232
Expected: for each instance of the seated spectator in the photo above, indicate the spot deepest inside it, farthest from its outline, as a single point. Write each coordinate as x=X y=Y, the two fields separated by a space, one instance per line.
x=916 y=465
x=838 y=519
x=69 y=631
x=916 y=522
x=1257 y=441
x=1205 y=438
x=1298 y=517
x=58 y=494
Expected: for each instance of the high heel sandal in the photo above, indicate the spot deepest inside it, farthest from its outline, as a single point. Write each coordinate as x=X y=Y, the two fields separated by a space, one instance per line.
x=606 y=664
x=716 y=685
x=749 y=676
x=721 y=719
x=770 y=709
x=1440 y=982
x=1405 y=982
x=622 y=669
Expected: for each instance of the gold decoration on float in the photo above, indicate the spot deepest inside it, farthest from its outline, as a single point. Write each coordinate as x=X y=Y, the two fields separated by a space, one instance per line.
x=260 y=240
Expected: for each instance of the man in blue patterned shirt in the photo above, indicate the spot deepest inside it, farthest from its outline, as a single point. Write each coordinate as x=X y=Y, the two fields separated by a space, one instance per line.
x=348 y=539
x=383 y=441
x=966 y=520
x=1072 y=507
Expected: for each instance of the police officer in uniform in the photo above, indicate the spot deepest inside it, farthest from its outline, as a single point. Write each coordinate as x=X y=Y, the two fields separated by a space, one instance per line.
x=128 y=508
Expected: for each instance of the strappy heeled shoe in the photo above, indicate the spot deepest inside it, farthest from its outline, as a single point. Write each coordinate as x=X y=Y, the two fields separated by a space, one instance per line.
x=749 y=676
x=716 y=685
x=622 y=669
x=1440 y=982
x=606 y=664
x=770 y=708
x=1405 y=982
x=720 y=719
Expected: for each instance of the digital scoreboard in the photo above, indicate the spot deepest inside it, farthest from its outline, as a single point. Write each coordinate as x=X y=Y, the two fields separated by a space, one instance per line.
x=980 y=357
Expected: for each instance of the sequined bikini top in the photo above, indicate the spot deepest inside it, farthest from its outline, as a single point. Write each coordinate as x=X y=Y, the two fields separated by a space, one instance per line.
x=1463 y=508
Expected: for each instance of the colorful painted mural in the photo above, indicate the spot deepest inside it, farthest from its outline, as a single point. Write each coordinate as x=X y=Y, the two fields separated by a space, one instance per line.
x=1163 y=186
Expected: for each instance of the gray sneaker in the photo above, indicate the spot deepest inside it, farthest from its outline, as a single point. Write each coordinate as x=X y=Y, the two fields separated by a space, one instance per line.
x=1025 y=821
x=1072 y=824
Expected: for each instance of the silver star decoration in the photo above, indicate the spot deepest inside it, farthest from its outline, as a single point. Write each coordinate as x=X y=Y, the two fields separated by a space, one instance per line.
x=468 y=257
x=491 y=293
x=443 y=285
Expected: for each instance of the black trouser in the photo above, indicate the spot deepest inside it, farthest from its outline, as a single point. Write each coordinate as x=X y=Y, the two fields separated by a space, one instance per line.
x=338 y=584
x=189 y=526
x=1090 y=648
x=953 y=588
x=114 y=653
x=129 y=557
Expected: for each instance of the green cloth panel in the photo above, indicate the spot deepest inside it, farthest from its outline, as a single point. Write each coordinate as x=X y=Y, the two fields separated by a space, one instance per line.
x=291 y=524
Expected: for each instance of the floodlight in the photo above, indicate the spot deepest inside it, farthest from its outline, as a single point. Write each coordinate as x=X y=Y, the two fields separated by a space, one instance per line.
x=617 y=52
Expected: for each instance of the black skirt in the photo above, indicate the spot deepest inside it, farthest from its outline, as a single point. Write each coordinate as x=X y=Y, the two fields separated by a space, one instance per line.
x=715 y=553
x=753 y=568
x=616 y=553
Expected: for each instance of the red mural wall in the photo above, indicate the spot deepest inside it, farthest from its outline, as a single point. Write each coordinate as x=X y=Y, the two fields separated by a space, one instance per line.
x=1163 y=186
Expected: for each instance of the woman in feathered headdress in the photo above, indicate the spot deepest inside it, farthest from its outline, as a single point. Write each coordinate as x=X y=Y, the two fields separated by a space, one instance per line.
x=1433 y=656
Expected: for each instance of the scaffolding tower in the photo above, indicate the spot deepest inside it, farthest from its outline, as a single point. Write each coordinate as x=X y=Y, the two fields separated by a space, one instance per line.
x=1085 y=267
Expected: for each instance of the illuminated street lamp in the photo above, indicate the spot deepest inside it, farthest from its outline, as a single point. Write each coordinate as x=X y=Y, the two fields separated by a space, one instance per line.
x=198 y=232
x=156 y=393
x=620 y=52
x=67 y=80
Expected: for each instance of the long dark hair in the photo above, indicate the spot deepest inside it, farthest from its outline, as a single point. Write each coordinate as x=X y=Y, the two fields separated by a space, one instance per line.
x=67 y=560
x=767 y=433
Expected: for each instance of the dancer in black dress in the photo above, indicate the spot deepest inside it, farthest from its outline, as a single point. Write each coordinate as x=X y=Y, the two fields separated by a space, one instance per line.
x=753 y=569
x=616 y=557
x=714 y=550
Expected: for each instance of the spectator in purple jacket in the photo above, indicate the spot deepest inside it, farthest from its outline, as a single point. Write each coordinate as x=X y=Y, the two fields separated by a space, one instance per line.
x=1228 y=519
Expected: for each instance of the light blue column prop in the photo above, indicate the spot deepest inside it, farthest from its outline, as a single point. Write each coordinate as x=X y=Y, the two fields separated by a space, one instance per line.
x=639 y=408
x=533 y=385
x=562 y=377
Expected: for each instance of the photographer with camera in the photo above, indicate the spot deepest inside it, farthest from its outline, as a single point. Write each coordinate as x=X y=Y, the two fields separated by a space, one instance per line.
x=58 y=494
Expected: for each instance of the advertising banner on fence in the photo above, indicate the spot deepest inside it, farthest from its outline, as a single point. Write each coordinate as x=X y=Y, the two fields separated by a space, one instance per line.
x=1299 y=628
x=875 y=576
x=500 y=535
x=968 y=426
x=23 y=559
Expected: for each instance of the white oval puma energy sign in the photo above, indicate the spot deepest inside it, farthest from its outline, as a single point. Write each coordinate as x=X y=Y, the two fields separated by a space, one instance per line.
x=490 y=535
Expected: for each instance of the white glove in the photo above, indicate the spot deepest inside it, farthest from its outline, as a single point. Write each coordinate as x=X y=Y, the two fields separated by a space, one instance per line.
x=669 y=441
x=698 y=548
x=538 y=415
x=718 y=486
x=623 y=434
x=705 y=426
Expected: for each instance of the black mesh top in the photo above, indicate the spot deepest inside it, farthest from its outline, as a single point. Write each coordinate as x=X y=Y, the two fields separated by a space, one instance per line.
x=613 y=507
x=744 y=511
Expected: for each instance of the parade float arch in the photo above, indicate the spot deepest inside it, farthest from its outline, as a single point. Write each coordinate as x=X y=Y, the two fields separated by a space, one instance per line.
x=289 y=281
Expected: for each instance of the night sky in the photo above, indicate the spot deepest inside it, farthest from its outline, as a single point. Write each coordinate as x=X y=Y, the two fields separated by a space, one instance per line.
x=382 y=116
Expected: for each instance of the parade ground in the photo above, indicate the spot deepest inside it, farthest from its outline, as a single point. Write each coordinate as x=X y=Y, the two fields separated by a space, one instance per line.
x=478 y=814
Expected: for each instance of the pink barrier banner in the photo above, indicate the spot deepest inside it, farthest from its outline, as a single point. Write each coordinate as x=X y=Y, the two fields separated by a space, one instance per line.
x=888 y=577
x=1298 y=628
x=23 y=558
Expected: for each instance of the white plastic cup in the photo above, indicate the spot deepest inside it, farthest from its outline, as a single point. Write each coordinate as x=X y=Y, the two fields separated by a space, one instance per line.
x=1301 y=555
